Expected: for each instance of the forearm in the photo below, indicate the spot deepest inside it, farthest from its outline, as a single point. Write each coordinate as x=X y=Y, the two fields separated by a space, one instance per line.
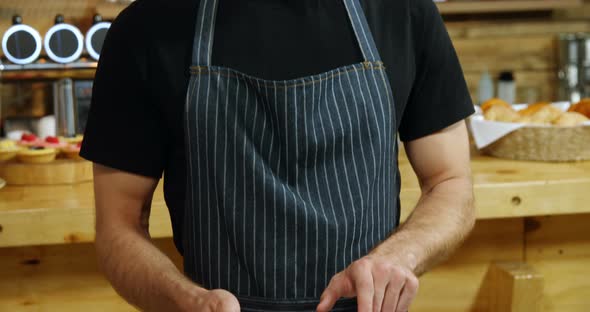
x=441 y=220
x=141 y=273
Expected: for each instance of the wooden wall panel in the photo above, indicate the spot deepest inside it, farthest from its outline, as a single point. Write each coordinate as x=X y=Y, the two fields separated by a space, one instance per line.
x=558 y=247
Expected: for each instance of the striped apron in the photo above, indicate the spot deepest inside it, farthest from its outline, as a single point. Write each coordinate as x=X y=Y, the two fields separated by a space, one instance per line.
x=290 y=181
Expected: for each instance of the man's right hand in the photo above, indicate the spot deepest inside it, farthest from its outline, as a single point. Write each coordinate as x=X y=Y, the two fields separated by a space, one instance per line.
x=217 y=300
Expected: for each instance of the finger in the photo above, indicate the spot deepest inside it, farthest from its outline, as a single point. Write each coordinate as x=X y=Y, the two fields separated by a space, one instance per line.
x=392 y=293
x=363 y=285
x=408 y=293
x=340 y=286
x=380 y=275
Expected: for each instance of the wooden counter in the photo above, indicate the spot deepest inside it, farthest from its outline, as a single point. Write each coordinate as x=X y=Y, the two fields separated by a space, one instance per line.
x=531 y=215
x=40 y=215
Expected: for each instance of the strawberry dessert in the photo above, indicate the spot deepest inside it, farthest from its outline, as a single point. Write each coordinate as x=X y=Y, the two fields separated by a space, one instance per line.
x=29 y=139
x=54 y=142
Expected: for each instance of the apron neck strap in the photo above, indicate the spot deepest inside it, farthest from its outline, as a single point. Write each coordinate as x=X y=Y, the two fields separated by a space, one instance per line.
x=205 y=32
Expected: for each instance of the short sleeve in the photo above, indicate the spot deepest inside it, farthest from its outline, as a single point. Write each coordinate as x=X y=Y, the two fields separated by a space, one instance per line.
x=125 y=127
x=439 y=96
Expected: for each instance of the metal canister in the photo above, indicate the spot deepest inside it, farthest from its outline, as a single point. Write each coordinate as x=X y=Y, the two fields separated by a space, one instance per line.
x=63 y=99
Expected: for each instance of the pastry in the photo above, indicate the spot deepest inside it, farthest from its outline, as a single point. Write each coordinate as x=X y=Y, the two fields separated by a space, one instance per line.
x=72 y=151
x=54 y=142
x=29 y=139
x=570 y=119
x=544 y=114
x=36 y=155
x=501 y=113
x=533 y=108
x=583 y=107
x=494 y=102
x=72 y=140
x=8 y=150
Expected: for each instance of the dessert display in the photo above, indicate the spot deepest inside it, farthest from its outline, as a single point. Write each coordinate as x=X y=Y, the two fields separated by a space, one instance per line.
x=54 y=142
x=537 y=114
x=36 y=155
x=72 y=151
x=8 y=150
x=29 y=139
x=72 y=140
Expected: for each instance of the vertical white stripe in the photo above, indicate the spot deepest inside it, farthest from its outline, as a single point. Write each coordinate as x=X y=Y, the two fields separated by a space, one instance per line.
x=380 y=165
x=355 y=166
x=217 y=208
x=336 y=176
x=365 y=202
x=287 y=164
x=190 y=102
x=296 y=122
x=317 y=229
x=245 y=199
x=208 y=192
x=235 y=186
x=336 y=237
x=201 y=28
x=386 y=143
x=327 y=240
x=266 y=238
x=211 y=32
x=274 y=194
x=392 y=141
x=254 y=229
x=374 y=173
x=352 y=203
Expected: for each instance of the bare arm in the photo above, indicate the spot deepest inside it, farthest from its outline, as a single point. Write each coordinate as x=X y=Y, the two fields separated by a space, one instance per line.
x=445 y=213
x=140 y=272
x=385 y=280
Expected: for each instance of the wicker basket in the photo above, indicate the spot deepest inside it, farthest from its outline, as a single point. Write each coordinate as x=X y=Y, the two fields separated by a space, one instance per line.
x=544 y=144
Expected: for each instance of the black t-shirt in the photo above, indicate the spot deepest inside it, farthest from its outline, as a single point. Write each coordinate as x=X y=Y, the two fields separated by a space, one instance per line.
x=135 y=121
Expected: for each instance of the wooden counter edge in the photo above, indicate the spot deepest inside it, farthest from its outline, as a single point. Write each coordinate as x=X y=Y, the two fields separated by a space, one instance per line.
x=45 y=225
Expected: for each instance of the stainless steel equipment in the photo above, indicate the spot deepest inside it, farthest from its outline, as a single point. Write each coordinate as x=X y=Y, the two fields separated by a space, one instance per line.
x=574 y=66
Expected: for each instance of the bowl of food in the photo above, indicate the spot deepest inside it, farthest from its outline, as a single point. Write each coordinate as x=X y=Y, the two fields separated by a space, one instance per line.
x=539 y=131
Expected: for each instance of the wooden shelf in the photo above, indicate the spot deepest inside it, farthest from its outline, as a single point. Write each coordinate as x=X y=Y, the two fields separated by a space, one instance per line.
x=488 y=6
x=83 y=69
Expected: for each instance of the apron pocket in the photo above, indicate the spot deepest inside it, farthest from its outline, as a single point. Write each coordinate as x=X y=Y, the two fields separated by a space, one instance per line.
x=258 y=304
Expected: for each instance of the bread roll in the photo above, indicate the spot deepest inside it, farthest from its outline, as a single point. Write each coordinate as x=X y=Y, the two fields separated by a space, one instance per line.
x=533 y=108
x=494 y=102
x=501 y=113
x=583 y=107
x=545 y=115
x=570 y=119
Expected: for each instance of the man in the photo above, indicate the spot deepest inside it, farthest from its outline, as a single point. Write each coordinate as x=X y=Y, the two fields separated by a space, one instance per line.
x=275 y=124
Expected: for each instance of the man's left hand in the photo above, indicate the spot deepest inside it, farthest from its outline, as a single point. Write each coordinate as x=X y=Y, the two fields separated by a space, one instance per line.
x=378 y=283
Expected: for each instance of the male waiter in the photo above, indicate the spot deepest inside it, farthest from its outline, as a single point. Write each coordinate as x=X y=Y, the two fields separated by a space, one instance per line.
x=276 y=125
